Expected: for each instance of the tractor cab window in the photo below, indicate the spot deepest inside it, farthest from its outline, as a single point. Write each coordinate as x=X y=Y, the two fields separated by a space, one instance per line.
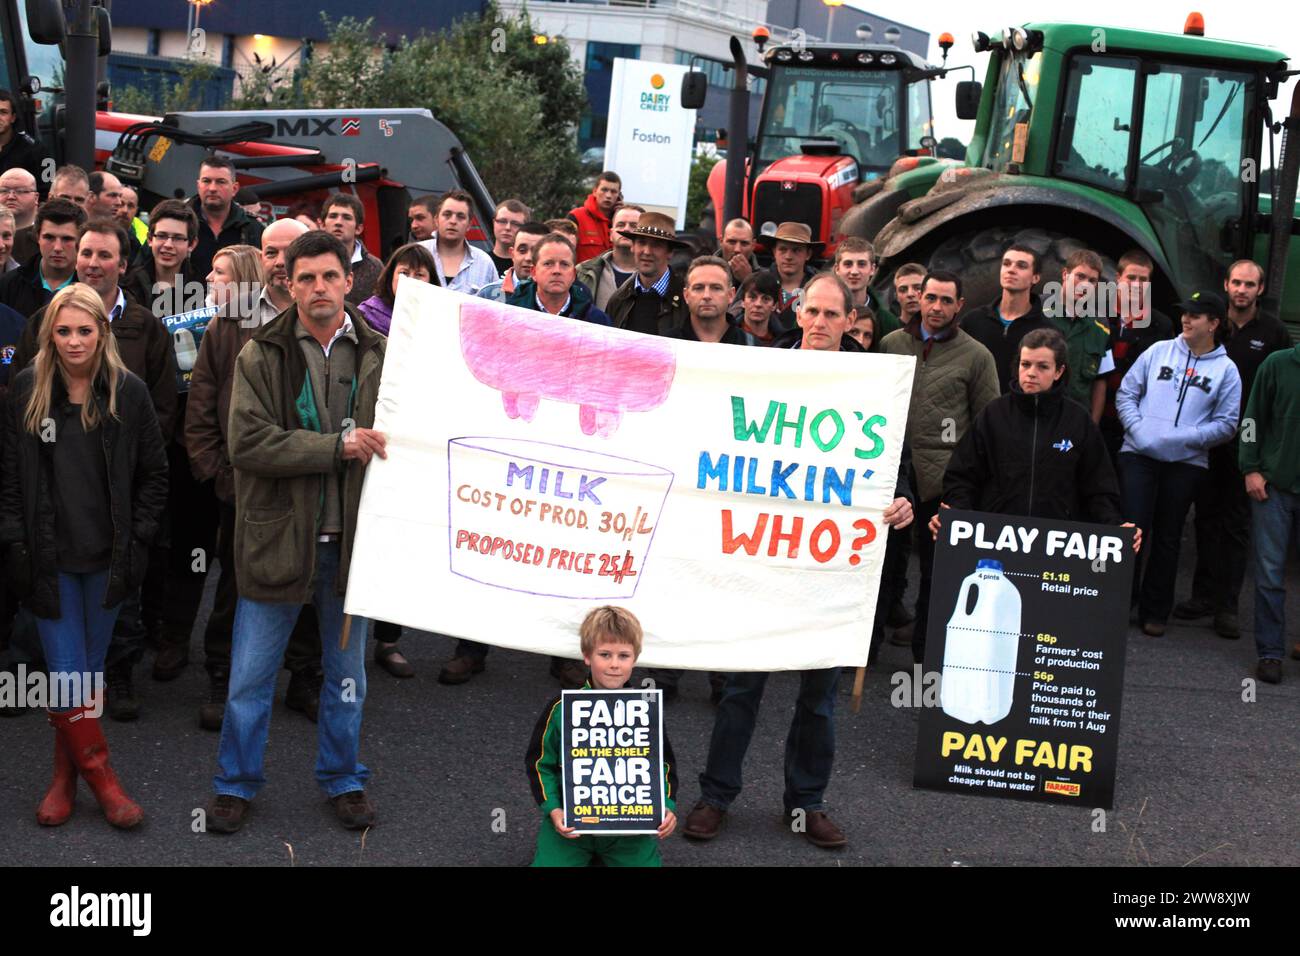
x=918 y=113
x=1097 y=121
x=1013 y=104
x=43 y=62
x=1191 y=167
x=4 y=59
x=860 y=110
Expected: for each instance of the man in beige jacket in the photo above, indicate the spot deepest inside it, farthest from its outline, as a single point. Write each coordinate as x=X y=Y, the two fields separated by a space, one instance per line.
x=955 y=378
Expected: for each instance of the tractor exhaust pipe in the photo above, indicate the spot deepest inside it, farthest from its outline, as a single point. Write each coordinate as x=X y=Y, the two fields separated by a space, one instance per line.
x=737 y=136
x=1284 y=191
x=81 y=46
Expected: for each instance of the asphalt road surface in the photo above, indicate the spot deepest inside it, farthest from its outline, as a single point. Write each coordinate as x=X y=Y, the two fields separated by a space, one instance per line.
x=1204 y=776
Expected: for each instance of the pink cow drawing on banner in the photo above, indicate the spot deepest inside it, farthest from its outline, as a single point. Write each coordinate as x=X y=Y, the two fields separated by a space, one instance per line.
x=528 y=356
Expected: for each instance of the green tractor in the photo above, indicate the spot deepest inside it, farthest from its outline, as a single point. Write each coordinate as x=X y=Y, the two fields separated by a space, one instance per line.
x=1109 y=139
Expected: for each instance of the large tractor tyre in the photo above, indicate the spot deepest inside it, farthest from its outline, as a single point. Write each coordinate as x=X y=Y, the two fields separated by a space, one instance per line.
x=870 y=214
x=977 y=258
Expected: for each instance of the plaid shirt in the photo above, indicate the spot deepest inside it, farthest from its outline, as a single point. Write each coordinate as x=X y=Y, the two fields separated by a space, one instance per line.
x=660 y=288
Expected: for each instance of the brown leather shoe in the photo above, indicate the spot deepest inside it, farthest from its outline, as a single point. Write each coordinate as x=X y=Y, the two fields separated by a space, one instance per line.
x=821 y=831
x=354 y=810
x=704 y=822
x=459 y=670
x=213 y=711
x=123 y=704
x=1269 y=670
x=226 y=813
x=391 y=659
x=170 y=661
x=1225 y=625
x=1153 y=629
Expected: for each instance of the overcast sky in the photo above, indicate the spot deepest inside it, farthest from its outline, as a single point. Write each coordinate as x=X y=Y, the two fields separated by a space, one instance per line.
x=1276 y=26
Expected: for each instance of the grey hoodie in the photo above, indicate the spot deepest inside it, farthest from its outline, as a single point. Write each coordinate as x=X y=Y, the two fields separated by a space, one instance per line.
x=1176 y=406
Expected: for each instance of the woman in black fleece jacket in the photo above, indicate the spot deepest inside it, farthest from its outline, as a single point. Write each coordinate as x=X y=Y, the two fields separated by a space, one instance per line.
x=1034 y=451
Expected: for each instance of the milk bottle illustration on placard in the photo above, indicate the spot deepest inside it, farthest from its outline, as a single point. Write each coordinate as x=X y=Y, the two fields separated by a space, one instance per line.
x=187 y=350
x=979 y=657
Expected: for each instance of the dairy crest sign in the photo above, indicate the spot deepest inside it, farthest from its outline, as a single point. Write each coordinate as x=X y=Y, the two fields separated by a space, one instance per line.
x=649 y=137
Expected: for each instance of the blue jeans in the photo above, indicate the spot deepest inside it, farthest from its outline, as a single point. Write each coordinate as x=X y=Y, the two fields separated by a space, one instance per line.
x=809 y=749
x=1157 y=496
x=75 y=643
x=1276 y=524
x=261 y=634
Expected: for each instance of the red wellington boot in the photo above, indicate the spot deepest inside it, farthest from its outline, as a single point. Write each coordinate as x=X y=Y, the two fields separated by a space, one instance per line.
x=89 y=751
x=56 y=807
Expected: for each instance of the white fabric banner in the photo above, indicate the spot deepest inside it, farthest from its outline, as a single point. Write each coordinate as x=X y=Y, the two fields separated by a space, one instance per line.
x=537 y=467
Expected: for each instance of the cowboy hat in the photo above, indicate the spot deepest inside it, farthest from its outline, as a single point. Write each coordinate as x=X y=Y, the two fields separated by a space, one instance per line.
x=655 y=225
x=793 y=232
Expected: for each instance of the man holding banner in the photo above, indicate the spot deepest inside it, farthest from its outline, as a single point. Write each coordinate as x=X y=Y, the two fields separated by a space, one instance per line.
x=825 y=317
x=552 y=288
x=300 y=440
x=707 y=291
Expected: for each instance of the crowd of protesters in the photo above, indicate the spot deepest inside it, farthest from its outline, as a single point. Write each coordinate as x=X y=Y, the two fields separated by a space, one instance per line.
x=144 y=426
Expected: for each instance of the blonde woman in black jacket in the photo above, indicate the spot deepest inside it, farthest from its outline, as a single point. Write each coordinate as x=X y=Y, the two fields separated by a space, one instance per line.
x=83 y=484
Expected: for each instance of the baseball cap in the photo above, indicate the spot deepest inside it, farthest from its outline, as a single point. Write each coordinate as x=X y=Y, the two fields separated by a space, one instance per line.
x=1203 y=302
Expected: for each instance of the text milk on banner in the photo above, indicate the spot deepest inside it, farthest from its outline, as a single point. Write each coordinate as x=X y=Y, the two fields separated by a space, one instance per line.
x=613 y=760
x=731 y=497
x=1028 y=625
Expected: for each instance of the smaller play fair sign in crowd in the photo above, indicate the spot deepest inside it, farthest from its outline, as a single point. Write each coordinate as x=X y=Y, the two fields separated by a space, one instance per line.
x=1028 y=625
x=613 y=760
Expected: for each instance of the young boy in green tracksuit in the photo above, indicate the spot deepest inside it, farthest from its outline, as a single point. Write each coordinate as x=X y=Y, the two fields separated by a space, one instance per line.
x=611 y=643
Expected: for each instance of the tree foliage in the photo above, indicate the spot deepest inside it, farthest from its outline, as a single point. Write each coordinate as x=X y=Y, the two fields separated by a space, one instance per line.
x=164 y=95
x=697 y=194
x=512 y=102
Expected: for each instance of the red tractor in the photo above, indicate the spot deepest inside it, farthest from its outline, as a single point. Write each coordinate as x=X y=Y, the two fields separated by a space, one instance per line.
x=834 y=118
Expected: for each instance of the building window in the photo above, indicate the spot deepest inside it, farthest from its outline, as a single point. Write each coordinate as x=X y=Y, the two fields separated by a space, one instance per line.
x=598 y=77
x=717 y=73
x=228 y=50
x=152 y=42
